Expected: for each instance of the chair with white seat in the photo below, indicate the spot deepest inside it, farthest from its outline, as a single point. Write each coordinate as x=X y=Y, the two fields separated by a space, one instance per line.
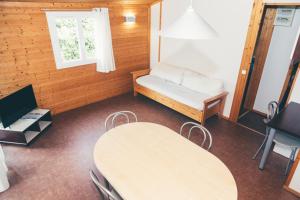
x=272 y=111
x=110 y=121
x=288 y=141
x=108 y=194
x=204 y=131
x=281 y=138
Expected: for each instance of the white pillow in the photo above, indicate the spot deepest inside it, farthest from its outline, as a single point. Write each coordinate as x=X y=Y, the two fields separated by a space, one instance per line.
x=168 y=72
x=203 y=84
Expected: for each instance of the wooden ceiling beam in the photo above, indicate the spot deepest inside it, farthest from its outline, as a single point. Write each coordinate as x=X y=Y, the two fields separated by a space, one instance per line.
x=148 y=2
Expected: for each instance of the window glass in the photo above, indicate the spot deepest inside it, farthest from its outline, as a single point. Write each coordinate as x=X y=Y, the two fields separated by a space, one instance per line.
x=88 y=26
x=73 y=37
x=67 y=33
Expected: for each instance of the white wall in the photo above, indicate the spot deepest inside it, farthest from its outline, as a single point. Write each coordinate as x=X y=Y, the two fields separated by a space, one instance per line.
x=277 y=64
x=295 y=95
x=219 y=58
x=155 y=20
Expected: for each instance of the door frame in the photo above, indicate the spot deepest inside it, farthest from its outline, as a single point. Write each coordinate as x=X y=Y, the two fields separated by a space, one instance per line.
x=253 y=32
x=287 y=79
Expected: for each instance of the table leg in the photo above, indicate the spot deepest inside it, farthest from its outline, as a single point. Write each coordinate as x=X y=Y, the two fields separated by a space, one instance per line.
x=267 y=148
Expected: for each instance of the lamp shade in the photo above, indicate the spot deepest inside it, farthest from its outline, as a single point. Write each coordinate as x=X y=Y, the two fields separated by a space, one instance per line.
x=189 y=26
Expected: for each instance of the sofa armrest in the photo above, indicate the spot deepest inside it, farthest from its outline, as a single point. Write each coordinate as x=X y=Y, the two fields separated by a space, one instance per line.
x=137 y=74
x=140 y=73
x=207 y=111
x=214 y=99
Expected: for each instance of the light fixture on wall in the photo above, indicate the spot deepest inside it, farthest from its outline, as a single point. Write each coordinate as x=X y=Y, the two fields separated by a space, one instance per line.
x=190 y=26
x=130 y=19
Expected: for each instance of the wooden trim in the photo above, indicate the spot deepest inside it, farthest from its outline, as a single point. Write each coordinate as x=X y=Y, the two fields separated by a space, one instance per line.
x=70 y=9
x=252 y=34
x=293 y=85
x=137 y=74
x=286 y=83
x=282 y=4
x=78 y=4
x=215 y=98
x=155 y=2
x=260 y=53
x=149 y=35
x=160 y=26
x=224 y=117
x=290 y=176
x=200 y=116
x=291 y=191
x=296 y=55
x=179 y=107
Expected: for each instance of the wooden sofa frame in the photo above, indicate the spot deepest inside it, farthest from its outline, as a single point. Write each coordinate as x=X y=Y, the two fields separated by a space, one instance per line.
x=191 y=112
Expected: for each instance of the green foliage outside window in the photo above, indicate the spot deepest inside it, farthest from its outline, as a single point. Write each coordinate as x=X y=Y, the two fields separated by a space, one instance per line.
x=67 y=30
x=88 y=25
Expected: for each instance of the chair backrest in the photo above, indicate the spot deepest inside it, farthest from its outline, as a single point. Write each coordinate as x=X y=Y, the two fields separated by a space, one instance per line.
x=104 y=191
x=111 y=119
x=272 y=110
x=204 y=131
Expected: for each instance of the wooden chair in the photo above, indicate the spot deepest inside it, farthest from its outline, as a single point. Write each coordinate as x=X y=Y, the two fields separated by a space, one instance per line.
x=125 y=114
x=204 y=131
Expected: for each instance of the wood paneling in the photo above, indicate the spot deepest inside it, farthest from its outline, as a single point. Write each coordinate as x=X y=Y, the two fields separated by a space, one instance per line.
x=261 y=52
x=26 y=55
x=89 y=1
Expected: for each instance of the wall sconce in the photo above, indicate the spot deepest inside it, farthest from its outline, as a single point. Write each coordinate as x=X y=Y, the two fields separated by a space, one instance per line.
x=130 y=19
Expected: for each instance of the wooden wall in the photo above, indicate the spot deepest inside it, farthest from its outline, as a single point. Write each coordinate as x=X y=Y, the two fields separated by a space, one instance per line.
x=26 y=55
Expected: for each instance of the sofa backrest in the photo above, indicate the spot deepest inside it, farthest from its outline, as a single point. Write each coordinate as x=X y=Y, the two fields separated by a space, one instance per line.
x=168 y=72
x=201 y=83
x=187 y=78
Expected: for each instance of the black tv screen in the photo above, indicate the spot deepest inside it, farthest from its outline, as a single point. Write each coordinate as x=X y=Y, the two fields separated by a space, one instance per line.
x=17 y=104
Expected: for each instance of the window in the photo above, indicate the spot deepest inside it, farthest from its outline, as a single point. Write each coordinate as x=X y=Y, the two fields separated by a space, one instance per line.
x=72 y=37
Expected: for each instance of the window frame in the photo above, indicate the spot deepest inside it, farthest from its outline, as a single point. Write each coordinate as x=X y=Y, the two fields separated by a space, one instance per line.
x=78 y=16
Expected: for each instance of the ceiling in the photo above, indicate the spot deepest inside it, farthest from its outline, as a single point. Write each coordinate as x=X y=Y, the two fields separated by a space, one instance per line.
x=88 y=1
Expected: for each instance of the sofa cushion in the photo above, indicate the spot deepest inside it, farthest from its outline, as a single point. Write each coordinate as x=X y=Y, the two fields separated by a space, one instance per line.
x=203 y=84
x=174 y=91
x=168 y=72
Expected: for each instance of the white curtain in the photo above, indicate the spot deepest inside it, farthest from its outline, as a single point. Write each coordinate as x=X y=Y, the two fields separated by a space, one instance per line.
x=104 y=49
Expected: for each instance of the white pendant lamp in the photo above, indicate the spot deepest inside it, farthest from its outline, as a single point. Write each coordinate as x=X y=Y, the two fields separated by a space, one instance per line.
x=190 y=26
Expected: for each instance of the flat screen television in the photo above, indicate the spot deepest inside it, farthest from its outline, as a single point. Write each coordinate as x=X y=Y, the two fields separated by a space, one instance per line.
x=16 y=105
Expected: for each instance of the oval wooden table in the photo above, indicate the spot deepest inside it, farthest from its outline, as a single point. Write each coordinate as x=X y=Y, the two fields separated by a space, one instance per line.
x=146 y=161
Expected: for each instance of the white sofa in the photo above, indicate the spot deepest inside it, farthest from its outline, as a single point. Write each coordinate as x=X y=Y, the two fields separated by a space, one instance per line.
x=188 y=92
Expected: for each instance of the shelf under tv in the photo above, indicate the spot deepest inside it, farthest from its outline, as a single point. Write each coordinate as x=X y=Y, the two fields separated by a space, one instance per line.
x=27 y=128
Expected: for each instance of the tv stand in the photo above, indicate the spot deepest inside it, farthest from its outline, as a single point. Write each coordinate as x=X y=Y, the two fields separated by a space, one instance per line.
x=27 y=128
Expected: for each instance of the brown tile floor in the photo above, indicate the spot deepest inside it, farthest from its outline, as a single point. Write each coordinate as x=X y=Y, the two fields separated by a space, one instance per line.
x=56 y=165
